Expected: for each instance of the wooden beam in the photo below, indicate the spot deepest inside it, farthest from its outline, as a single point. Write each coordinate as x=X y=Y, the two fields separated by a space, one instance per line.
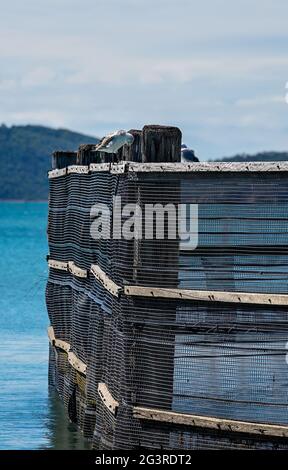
x=132 y=153
x=76 y=271
x=102 y=277
x=87 y=154
x=61 y=265
x=107 y=398
x=68 y=266
x=118 y=168
x=207 y=167
x=171 y=293
x=57 y=173
x=210 y=296
x=163 y=167
x=95 y=167
x=73 y=360
x=76 y=363
x=51 y=336
x=79 y=169
x=59 y=343
x=219 y=424
x=61 y=159
x=161 y=144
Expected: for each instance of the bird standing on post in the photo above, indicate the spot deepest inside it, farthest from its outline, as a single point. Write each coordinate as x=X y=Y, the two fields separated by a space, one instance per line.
x=188 y=155
x=114 y=141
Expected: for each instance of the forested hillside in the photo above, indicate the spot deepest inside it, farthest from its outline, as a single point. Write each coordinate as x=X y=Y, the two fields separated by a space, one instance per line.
x=25 y=153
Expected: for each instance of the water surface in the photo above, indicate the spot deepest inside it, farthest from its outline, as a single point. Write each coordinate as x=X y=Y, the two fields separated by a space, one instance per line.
x=31 y=417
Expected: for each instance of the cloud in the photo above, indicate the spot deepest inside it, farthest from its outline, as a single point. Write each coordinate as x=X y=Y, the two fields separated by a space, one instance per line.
x=217 y=69
x=38 y=76
x=7 y=84
x=261 y=101
x=158 y=71
x=51 y=118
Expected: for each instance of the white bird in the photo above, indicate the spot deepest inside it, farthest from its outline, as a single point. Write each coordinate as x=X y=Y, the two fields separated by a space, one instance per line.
x=188 y=155
x=114 y=141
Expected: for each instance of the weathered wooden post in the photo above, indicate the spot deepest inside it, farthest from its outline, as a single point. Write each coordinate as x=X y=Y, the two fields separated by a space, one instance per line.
x=157 y=265
x=87 y=154
x=132 y=153
x=161 y=144
x=62 y=159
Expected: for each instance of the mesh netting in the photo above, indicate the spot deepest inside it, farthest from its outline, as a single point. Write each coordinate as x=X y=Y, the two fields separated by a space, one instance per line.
x=224 y=360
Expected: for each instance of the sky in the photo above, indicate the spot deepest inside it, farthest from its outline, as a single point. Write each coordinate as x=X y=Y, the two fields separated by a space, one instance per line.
x=215 y=68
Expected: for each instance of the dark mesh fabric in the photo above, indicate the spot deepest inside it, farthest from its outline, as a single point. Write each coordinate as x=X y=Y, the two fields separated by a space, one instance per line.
x=203 y=358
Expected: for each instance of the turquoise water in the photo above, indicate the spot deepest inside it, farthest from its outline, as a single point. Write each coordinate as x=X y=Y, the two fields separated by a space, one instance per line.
x=30 y=416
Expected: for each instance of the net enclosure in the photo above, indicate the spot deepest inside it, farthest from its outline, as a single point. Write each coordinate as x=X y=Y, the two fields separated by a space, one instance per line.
x=155 y=343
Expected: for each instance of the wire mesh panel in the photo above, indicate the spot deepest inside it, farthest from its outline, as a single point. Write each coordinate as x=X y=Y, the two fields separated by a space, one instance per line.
x=204 y=358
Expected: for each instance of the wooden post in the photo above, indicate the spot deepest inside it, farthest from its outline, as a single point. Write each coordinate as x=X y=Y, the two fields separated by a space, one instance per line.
x=132 y=153
x=158 y=144
x=161 y=144
x=86 y=154
x=61 y=159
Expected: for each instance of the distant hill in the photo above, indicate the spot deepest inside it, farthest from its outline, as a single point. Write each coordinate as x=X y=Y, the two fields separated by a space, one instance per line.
x=25 y=153
x=258 y=157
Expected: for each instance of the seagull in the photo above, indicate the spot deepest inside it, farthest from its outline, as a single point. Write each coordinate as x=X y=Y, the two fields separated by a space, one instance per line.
x=188 y=155
x=111 y=143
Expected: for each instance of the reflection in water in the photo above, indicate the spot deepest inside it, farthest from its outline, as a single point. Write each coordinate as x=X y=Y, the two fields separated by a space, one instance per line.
x=61 y=434
x=31 y=417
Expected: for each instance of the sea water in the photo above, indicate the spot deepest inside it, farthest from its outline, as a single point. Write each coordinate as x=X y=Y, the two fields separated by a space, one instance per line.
x=31 y=416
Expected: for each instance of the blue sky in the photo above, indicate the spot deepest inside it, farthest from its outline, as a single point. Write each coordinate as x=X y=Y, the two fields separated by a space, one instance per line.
x=215 y=68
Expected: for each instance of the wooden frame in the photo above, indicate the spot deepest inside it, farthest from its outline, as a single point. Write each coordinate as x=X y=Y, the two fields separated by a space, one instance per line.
x=51 y=336
x=94 y=167
x=207 y=167
x=61 y=265
x=102 y=277
x=73 y=360
x=59 y=343
x=76 y=271
x=163 y=167
x=76 y=363
x=219 y=424
x=107 y=398
x=210 y=296
x=69 y=266
x=79 y=169
x=171 y=293
x=57 y=173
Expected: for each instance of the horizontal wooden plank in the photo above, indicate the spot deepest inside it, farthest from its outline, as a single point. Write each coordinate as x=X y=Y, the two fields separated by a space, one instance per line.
x=107 y=398
x=133 y=167
x=219 y=424
x=210 y=296
x=57 y=173
x=117 y=168
x=172 y=293
x=73 y=360
x=102 y=277
x=94 y=167
x=61 y=265
x=76 y=363
x=59 y=343
x=76 y=271
x=68 y=266
x=207 y=167
x=78 y=169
